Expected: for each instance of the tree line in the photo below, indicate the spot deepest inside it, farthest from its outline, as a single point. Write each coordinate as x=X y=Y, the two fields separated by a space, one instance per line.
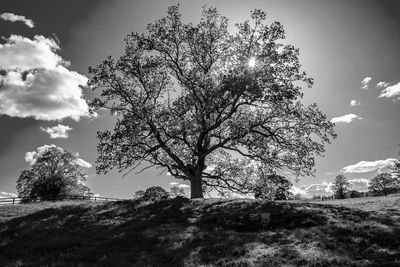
x=382 y=184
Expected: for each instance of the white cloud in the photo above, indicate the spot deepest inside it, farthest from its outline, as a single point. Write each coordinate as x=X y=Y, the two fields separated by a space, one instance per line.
x=382 y=84
x=345 y=118
x=83 y=163
x=173 y=183
x=13 y=18
x=36 y=82
x=51 y=94
x=58 y=131
x=184 y=186
x=368 y=166
x=391 y=91
x=31 y=156
x=323 y=189
x=7 y=195
x=355 y=103
x=360 y=185
x=23 y=54
x=296 y=190
x=364 y=82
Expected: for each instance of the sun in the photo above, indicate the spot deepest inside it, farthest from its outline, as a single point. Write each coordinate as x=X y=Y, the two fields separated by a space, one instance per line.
x=252 y=62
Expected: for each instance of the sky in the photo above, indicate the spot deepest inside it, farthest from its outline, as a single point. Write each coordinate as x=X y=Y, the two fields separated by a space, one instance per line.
x=350 y=48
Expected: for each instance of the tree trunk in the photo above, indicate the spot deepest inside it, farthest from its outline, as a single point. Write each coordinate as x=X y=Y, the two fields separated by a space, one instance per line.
x=196 y=190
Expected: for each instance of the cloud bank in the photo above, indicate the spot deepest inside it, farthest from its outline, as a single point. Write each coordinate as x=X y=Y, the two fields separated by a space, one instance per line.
x=35 y=81
x=345 y=118
x=323 y=189
x=382 y=84
x=58 y=131
x=14 y=18
x=391 y=91
x=31 y=156
x=368 y=166
x=7 y=195
x=360 y=185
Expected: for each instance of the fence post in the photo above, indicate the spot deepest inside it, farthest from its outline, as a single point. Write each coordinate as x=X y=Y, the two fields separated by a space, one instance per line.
x=13 y=200
x=106 y=199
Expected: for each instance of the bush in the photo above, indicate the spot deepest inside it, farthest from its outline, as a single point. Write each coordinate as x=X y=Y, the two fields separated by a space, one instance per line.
x=155 y=193
x=354 y=194
x=273 y=187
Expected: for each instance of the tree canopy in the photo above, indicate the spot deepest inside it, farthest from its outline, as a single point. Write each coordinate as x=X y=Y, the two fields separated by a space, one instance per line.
x=211 y=106
x=54 y=175
x=384 y=183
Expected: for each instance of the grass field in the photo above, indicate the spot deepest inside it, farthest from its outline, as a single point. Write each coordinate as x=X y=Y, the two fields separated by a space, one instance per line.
x=182 y=232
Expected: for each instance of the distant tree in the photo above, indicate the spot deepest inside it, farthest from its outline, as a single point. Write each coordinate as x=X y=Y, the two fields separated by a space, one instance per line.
x=200 y=101
x=395 y=169
x=298 y=196
x=138 y=194
x=384 y=184
x=155 y=192
x=54 y=175
x=354 y=194
x=340 y=186
x=273 y=187
x=176 y=191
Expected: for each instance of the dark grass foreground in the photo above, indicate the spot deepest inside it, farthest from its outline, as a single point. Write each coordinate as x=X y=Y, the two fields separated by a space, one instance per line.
x=182 y=232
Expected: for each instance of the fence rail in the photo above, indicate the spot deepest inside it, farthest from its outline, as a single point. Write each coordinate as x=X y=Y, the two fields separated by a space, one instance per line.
x=17 y=200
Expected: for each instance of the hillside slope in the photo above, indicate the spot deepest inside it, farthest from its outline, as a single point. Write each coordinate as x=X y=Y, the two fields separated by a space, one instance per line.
x=182 y=232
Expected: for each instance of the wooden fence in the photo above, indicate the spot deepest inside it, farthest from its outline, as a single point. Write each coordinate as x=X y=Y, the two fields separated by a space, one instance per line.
x=17 y=200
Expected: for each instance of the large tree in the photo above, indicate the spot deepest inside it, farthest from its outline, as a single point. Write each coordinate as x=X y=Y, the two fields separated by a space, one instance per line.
x=202 y=101
x=54 y=175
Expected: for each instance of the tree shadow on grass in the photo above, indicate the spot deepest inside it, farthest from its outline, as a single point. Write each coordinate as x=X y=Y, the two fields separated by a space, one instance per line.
x=180 y=232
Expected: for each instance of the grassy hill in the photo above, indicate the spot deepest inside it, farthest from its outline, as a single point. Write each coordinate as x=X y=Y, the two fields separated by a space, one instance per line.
x=182 y=232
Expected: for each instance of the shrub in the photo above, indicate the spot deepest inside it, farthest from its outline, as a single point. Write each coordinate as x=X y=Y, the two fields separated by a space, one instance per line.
x=354 y=194
x=155 y=193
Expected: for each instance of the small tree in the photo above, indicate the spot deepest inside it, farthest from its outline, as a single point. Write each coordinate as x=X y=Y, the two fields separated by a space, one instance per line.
x=54 y=175
x=200 y=101
x=176 y=191
x=384 y=184
x=340 y=186
x=273 y=187
x=155 y=193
